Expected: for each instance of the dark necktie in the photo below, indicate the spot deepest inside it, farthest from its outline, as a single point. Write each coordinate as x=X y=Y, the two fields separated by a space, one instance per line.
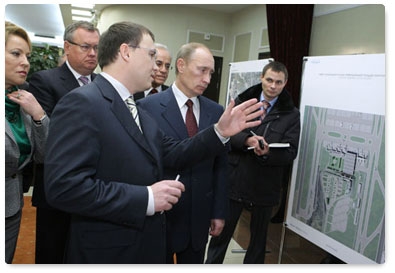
x=266 y=106
x=153 y=91
x=190 y=120
x=133 y=109
x=84 y=80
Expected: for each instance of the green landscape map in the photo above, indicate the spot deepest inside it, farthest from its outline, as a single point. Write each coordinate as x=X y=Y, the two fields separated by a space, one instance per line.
x=340 y=180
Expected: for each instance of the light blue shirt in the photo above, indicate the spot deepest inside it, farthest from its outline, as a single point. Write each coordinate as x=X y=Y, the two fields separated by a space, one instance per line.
x=271 y=103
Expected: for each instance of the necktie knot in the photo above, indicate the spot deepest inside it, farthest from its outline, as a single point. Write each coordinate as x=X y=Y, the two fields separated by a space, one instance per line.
x=189 y=103
x=266 y=105
x=190 y=120
x=84 y=80
x=153 y=91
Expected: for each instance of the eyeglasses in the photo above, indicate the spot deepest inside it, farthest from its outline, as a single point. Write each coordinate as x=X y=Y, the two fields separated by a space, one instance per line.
x=151 y=51
x=84 y=47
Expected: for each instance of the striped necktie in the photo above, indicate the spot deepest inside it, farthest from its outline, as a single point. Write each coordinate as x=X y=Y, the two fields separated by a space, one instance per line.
x=130 y=103
x=266 y=106
x=84 y=80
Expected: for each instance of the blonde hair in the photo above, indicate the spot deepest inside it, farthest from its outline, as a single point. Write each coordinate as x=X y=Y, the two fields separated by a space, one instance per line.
x=12 y=29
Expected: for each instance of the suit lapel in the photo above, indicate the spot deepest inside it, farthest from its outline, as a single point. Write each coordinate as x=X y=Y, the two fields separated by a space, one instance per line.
x=172 y=114
x=121 y=112
x=28 y=130
x=205 y=115
x=27 y=125
x=68 y=80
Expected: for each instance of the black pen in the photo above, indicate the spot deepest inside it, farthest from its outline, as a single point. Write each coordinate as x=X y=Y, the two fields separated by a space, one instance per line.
x=260 y=141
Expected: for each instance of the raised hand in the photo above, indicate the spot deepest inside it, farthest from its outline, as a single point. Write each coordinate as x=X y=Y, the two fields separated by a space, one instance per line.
x=237 y=118
x=28 y=102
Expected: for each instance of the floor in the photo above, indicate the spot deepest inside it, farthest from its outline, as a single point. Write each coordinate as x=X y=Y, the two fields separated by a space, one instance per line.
x=296 y=250
x=24 y=253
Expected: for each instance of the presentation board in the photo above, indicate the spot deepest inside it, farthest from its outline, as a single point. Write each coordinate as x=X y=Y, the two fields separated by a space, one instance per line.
x=243 y=75
x=337 y=191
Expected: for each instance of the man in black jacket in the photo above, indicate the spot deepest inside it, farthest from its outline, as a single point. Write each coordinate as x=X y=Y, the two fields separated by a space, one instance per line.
x=256 y=170
x=49 y=86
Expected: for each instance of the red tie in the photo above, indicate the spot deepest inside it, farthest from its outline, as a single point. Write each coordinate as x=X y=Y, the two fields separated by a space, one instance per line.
x=190 y=120
x=153 y=91
x=266 y=106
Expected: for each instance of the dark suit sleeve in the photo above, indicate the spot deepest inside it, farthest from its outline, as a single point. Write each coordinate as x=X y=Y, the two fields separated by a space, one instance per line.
x=220 y=207
x=38 y=86
x=184 y=154
x=75 y=147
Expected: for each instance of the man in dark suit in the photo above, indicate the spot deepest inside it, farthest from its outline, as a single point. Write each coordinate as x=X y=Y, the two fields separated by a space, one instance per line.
x=163 y=62
x=105 y=162
x=49 y=86
x=202 y=208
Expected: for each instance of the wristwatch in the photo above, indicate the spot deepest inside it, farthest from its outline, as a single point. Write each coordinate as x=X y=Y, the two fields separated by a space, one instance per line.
x=40 y=121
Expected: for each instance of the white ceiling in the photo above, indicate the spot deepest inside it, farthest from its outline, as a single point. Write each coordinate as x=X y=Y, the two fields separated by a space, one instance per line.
x=50 y=19
x=43 y=20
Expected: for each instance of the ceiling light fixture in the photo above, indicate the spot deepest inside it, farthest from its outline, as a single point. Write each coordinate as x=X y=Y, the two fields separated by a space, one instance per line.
x=83 y=6
x=79 y=12
x=82 y=12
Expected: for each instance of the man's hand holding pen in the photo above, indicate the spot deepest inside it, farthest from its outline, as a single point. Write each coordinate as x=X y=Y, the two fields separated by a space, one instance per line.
x=258 y=144
x=167 y=193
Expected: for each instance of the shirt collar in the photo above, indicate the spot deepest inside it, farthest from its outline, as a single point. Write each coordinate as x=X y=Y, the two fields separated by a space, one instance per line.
x=272 y=102
x=159 y=88
x=119 y=87
x=181 y=98
x=75 y=73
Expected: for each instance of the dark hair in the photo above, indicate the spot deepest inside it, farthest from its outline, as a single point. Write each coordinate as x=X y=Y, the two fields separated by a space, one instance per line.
x=276 y=67
x=12 y=29
x=116 y=35
x=70 y=29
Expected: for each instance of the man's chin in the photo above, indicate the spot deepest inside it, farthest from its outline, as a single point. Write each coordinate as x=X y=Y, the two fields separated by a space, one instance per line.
x=156 y=83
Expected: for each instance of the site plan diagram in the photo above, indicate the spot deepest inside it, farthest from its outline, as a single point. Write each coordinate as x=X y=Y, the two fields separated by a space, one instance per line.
x=243 y=75
x=340 y=178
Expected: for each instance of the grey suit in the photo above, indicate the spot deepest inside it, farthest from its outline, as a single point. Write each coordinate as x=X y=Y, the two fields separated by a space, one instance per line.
x=13 y=172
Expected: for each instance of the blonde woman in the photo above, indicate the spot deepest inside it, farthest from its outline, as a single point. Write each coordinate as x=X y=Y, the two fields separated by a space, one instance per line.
x=26 y=129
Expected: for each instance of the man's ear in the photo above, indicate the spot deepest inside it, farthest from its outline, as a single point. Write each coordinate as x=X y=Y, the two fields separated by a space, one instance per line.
x=180 y=65
x=124 y=51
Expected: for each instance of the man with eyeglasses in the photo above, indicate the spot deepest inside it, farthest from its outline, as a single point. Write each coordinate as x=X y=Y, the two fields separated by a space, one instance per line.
x=163 y=61
x=105 y=157
x=81 y=40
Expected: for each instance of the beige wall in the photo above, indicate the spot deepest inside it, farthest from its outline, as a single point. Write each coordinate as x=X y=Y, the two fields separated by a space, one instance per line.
x=170 y=24
x=359 y=30
x=336 y=29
